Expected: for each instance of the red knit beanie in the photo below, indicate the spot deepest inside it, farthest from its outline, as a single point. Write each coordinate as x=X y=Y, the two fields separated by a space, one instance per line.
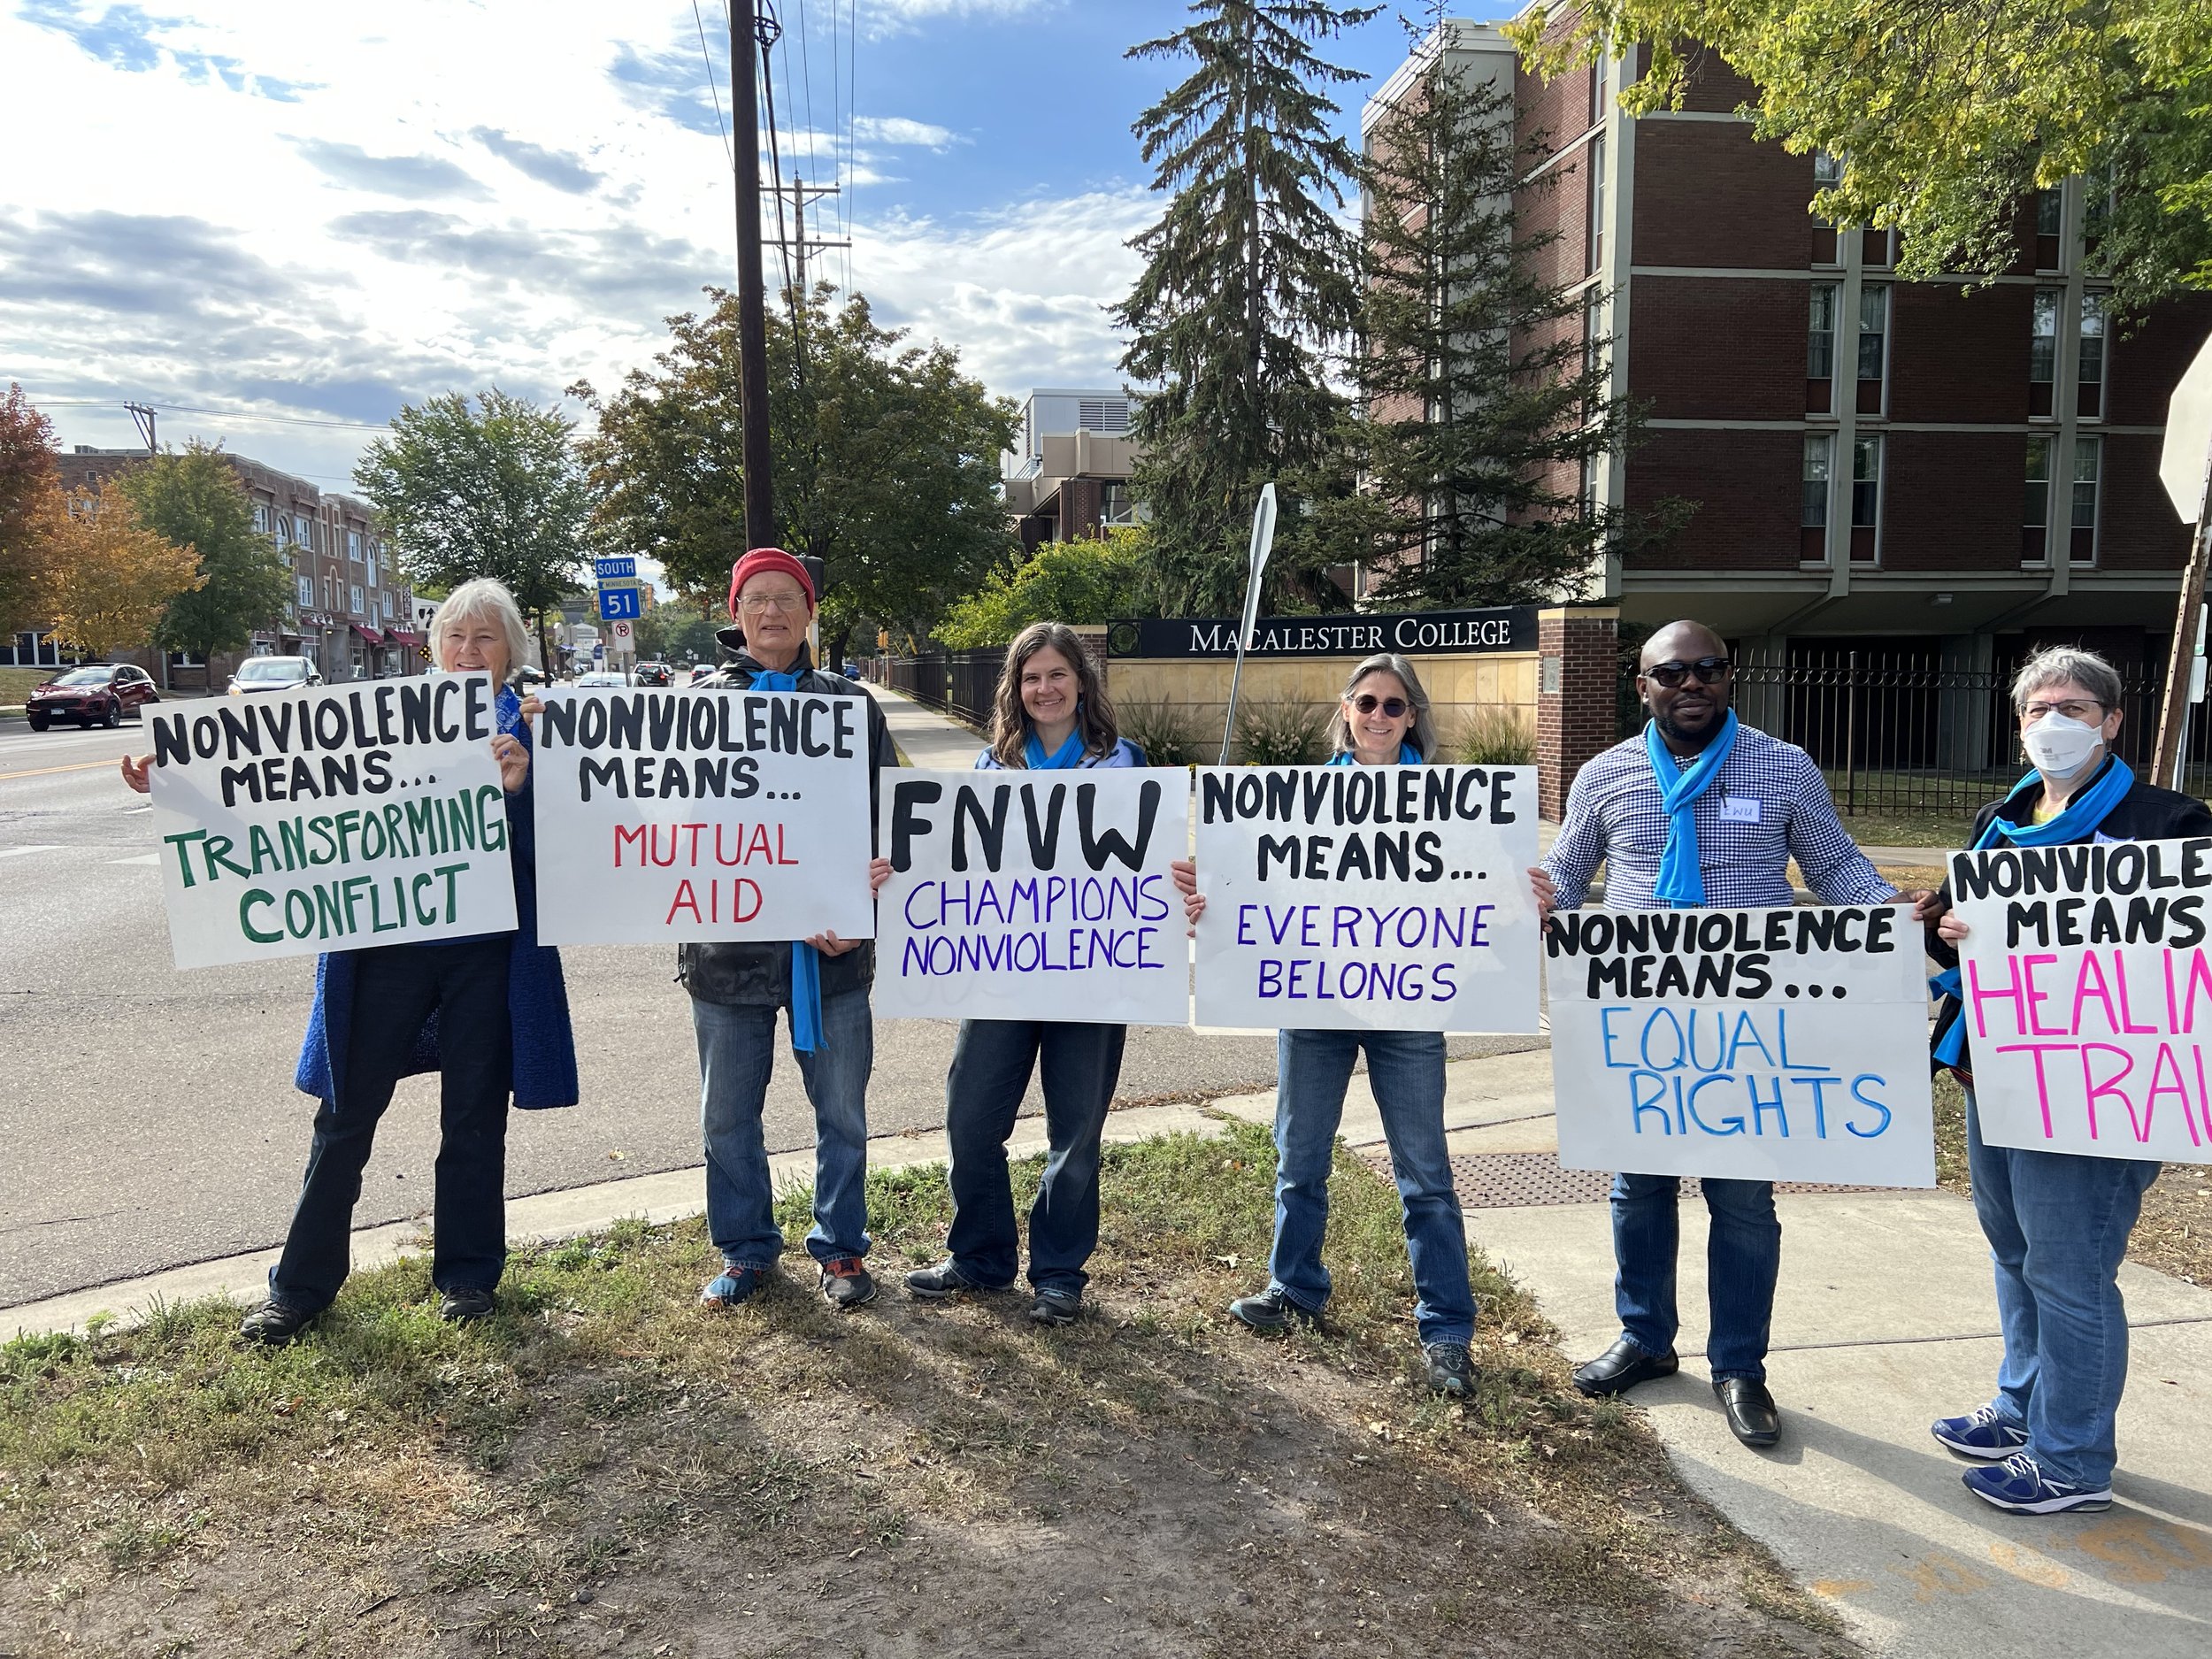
x=769 y=558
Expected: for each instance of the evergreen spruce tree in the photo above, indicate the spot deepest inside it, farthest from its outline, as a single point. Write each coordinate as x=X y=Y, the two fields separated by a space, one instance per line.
x=1481 y=379
x=1249 y=283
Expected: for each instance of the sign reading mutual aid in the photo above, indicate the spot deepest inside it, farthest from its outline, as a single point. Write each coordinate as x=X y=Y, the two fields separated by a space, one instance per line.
x=2089 y=996
x=1783 y=1045
x=1372 y=898
x=1035 y=896
x=297 y=822
x=673 y=817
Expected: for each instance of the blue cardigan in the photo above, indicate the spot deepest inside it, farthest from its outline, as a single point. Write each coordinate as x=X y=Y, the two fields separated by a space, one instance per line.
x=537 y=998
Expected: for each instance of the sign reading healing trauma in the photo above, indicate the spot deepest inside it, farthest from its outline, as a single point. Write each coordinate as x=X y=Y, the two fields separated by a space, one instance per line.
x=296 y=822
x=1775 y=1045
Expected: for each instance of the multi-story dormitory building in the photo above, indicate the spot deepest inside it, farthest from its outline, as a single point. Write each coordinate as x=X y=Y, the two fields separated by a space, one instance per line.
x=350 y=609
x=1918 y=471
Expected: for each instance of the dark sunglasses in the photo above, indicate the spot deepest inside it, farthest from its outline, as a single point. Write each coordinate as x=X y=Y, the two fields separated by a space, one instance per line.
x=1710 y=670
x=1367 y=703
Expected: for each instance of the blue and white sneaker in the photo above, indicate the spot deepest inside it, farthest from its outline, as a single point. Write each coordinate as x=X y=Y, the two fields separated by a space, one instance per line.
x=2020 y=1486
x=1984 y=1434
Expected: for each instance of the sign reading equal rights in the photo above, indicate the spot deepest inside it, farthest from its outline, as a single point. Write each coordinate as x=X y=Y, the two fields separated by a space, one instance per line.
x=1372 y=898
x=2085 y=977
x=673 y=816
x=297 y=822
x=1035 y=896
x=1782 y=1045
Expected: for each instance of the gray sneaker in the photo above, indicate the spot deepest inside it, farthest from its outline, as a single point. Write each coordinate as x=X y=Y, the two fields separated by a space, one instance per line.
x=934 y=1284
x=1451 y=1368
x=1055 y=1304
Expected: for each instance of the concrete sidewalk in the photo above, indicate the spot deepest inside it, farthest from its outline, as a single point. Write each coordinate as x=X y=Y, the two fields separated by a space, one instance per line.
x=931 y=740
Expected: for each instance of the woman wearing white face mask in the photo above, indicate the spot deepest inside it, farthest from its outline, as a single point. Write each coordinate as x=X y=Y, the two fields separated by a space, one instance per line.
x=2057 y=1224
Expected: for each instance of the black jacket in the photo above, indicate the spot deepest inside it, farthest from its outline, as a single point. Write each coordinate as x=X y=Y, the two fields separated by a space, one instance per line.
x=759 y=974
x=2144 y=813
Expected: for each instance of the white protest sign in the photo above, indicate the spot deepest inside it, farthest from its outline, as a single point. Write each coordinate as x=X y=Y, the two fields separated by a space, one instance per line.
x=1783 y=1045
x=297 y=822
x=669 y=817
x=2085 y=975
x=1369 y=898
x=1035 y=896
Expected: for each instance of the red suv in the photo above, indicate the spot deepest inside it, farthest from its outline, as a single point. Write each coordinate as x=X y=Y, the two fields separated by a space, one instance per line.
x=99 y=693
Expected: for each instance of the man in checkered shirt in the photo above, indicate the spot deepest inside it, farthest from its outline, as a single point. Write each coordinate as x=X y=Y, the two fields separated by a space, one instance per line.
x=1767 y=803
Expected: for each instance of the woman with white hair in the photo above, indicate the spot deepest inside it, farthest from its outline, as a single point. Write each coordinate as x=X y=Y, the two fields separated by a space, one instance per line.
x=489 y=1014
x=2057 y=1224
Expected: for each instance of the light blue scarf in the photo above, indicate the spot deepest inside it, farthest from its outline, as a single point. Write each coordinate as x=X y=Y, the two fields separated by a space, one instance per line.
x=1067 y=757
x=806 y=962
x=1681 y=874
x=1408 y=755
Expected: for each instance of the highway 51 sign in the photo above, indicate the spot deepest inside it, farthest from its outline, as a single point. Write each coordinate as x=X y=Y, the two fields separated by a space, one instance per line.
x=618 y=605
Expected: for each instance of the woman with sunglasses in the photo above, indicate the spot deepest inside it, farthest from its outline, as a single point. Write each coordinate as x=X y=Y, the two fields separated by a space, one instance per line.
x=1382 y=720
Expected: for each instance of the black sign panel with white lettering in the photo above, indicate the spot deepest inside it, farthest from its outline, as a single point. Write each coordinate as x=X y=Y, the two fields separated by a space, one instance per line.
x=1415 y=634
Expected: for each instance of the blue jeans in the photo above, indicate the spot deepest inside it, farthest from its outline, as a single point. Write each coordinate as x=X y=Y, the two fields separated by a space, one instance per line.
x=1743 y=1257
x=737 y=1050
x=2058 y=1227
x=1406 y=1069
x=1081 y=1063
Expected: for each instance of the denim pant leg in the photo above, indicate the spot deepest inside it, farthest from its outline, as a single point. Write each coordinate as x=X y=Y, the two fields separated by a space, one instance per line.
x=1743 y=1258
x=836 y=1079
x=476 y=1056
x=991 y=1063
x=392 y=997
x=1312 y=1071
x=1990 y=1168
x=1646 y=1233
x=1079 y=1066
x=736 y=1054
x=1406 y=1071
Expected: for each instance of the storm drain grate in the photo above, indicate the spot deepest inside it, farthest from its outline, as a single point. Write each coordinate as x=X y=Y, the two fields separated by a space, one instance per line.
x=1513 y=1180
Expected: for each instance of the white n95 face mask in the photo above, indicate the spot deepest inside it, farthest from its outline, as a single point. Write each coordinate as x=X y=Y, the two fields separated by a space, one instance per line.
x=2061 y=747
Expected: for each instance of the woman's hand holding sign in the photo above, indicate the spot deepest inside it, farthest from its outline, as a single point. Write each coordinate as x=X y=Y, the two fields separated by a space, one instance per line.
x=135 y=770
x=1186 y=873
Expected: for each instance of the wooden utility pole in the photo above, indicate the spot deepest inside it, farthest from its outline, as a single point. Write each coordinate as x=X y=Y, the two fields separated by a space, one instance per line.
x=751 y=35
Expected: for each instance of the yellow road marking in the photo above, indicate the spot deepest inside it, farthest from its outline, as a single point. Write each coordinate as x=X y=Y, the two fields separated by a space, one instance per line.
x=48 y=772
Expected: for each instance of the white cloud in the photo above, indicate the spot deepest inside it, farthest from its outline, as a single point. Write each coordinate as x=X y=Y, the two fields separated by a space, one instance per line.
x=896 y=130
x=891 y=17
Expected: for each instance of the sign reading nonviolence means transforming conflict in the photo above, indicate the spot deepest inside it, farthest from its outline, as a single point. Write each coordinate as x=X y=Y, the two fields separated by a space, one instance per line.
x=669 y=816
x=297 y=822
x=1035 y=896
x=1782 y=1045
x=1374 y=898
x=2087 y=985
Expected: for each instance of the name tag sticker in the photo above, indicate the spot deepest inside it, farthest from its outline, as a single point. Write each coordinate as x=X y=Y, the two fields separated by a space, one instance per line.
x=1740 y=808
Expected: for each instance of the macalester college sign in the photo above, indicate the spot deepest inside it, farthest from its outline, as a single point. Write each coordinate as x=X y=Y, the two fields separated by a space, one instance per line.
x=1413 y=633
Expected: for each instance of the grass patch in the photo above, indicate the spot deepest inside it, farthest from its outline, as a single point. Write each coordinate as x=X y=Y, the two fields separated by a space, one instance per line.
x=604 y=1466
x=19 y=683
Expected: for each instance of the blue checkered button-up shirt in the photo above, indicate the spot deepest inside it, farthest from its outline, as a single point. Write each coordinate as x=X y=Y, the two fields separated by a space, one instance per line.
x=1768 y=804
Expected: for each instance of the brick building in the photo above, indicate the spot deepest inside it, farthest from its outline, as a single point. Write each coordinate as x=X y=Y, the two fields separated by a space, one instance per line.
x=350 y=610
x=1067 y=479
x=1935 y=473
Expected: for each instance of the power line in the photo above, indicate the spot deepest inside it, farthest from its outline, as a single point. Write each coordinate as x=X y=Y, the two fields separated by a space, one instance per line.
x=714 y=87
x=224 y=414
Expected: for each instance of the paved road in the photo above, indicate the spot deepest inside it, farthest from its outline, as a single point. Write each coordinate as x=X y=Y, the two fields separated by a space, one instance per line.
x=148 y=1118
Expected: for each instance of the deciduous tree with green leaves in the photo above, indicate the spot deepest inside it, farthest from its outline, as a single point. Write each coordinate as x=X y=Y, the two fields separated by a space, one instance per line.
x=26 y=484
x=115 y=583
x=194 y=498
x=1062 y=581
x=1249 y=284
x=1946 y=112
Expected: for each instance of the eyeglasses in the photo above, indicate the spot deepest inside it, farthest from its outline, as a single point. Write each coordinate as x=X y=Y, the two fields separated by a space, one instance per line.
x=1367 y=703
x=1710 y=670
x=2088 y=713
x=790 y=604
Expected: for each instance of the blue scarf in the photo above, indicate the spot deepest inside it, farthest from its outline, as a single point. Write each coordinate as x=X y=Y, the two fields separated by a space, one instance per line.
x=1067 y=757
x=806 y=962
x=1408 y=755
x=1681 y=874
x=2077 y=823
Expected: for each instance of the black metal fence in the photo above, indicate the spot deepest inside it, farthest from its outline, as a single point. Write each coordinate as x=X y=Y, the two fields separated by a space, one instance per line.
x=961 y=683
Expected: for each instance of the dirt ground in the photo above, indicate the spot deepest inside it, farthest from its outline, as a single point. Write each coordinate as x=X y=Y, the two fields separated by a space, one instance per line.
x=606 y=1469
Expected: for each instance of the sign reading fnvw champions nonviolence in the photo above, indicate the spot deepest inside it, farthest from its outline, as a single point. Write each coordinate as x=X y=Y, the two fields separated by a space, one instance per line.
x=1375 y=898
x=2085 y=977
x=1782 y=1045
x=1035 y=896
x=671 y=816
x=297 y=822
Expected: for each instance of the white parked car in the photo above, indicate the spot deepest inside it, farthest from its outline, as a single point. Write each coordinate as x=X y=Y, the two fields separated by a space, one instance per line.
x=603 y=677
x=274 y=674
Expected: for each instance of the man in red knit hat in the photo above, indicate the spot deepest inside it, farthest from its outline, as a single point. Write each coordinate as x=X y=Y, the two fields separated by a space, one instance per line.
x=736 y=989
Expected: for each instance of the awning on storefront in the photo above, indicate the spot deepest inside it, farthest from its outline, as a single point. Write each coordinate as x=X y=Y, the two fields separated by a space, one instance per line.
x=370 y=634
x=400 y=636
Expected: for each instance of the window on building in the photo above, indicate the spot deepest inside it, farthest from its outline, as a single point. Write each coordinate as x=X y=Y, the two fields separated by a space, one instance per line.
x=284 y=529
x=1873 y=346
x=1820 y=448
x=261 y=517
x=2035 y=511
x=1597 y=203
x=2043 y=350
x=354 y=592
x=2089 y=359
x=306 y=585
x=2050 y=215
x=1597 y=92
x=1820 y=351
x=1866 y=497
x=2088 y=463
x=329 y=601
x=353 y=545
x=1827 y=170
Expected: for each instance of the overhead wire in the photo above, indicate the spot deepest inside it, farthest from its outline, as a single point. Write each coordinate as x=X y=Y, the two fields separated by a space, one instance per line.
x=714 y=87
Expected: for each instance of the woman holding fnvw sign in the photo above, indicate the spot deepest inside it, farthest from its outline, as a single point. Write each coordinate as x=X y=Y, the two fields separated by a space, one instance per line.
x=489 y=1015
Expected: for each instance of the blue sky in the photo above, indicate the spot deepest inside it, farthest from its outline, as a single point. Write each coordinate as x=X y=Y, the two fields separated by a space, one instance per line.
x=320 y=213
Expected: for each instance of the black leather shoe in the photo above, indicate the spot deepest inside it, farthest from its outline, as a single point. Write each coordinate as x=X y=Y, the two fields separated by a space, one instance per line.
x=1621 y=1368
x=273 y=1324
x=1272 y=1311
x=466 y=1306
x=1752 y=1418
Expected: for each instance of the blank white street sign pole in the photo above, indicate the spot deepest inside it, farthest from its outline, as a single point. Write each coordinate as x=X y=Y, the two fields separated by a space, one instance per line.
x=1263 y=544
